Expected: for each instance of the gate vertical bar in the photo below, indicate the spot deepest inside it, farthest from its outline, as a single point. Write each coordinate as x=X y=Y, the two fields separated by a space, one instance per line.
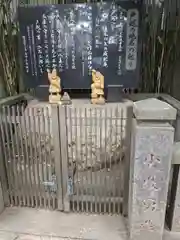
x=70 y=127
x=86 y=124
x=34 y=156
x=40 y=150
x=100 y=145
x=95 y=160
x=7 y=149
x=15 y=163
x=75 y=116
x=57 y=153
x=21 y=145
x=30 y=155
x=129 y=117
x=3 y=170
x=18 y=157
x=117 y=132
x=45 y=176
x=36 y=159
x=122 y=156
x=64 y=156
x=81 y=134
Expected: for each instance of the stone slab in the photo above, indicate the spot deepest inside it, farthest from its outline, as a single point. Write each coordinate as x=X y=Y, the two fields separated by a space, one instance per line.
x=33 y=237
x=13 y=226
x=8 y=236
x=154 y=109
x=11 y=236
x=56 y=224
x=170 y=235
x=150 y=168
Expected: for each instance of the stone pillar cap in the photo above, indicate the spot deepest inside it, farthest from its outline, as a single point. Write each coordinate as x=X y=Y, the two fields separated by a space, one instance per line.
x=154 y=109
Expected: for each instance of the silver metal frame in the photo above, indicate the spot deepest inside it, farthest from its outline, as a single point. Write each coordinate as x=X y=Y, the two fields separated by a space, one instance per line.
x=37 y=170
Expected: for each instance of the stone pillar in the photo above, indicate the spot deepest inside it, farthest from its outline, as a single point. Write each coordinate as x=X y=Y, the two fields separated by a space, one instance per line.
x=152 y=142
x=174 y=200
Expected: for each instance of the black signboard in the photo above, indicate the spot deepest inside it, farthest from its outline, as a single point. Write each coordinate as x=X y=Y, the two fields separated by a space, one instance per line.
x=76 y=38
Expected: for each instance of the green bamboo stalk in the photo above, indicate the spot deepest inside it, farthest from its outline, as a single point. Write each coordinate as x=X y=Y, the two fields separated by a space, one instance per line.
x=8 y=50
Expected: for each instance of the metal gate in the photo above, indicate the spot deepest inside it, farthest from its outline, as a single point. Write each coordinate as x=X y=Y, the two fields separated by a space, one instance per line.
x=28 y=157
x=65 y=157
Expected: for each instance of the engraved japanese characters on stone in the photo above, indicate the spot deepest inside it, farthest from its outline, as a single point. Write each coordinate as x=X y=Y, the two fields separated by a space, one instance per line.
x=149 y=180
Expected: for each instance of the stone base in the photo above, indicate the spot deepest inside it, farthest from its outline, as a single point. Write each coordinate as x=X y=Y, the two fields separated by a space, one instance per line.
x=55 y=98
x=54 y=223
x=99 y=100
x=148 y=235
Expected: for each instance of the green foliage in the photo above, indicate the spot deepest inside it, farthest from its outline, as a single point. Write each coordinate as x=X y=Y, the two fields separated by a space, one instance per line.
x=161 y=49
x=8 y=49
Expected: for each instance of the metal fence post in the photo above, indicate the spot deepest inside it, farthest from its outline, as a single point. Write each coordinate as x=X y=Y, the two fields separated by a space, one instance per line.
x=57 y=154
x=3 y=169
x=3 y=180
x=64 y=156
x=127 y=158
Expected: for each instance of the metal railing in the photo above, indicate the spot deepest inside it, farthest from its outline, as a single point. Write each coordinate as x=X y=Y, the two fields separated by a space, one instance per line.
x=28 y=154
x=65 y=157
x=72 y=158
x=96 y=155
